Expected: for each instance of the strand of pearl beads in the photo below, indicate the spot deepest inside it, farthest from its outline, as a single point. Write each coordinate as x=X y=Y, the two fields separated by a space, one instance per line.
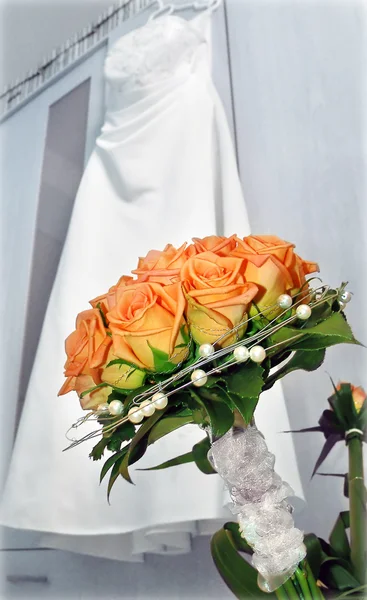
x=344 y=298
x=147 y=408
x=136 y=414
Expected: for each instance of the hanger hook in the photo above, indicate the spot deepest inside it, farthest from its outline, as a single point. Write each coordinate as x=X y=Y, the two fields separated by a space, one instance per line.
x=161 y=10
x=169 y=9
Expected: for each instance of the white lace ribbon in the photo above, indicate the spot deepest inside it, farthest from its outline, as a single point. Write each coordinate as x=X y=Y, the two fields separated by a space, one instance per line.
x=259 y=496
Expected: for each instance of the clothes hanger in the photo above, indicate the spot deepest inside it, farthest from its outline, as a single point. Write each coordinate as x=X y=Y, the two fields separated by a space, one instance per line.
x=169 y=9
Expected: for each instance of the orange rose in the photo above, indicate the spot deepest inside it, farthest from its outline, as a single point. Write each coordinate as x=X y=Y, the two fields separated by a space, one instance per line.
x=122 y=375
x=220 y=245
x=148 y=327
x=358 y=394
x=163 y=266
x=92 y=400
x=86 y=349
x=217 y=295
x=273 y=266
x=105 y=301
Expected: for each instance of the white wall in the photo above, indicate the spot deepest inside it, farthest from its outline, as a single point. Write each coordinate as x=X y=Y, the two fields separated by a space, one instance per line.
x=299 y=76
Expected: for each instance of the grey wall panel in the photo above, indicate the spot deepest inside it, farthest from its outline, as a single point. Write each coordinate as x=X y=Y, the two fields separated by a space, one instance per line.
x=299 y=91
x=62 y=169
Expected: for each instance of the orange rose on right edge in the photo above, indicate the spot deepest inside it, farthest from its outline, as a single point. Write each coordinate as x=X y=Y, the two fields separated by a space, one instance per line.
x=274 y=267
x=358 y=394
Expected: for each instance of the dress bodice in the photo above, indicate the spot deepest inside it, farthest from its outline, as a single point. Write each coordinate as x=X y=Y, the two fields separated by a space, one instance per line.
x=162 y=51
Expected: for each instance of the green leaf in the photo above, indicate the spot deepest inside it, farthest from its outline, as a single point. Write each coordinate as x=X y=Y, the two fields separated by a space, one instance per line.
x=133 y=394
x=185 y=334
x=302 y=359
x=220 y=415
x=334 y=330
x=338 y=538
x=136 y=453
x=247 y=382
x=98 y=449
x=123 y=433
x=331 y=331
x=118 y=395
x=169 y=424
x=121 y=361
x=103 y=316
x=237 y=573
x=141 y=433
x=162 y=363
x=352 y=593
x=314 y=553
x=342 y=404
x=92 y=389
x=244 y=388
x=113 y=476
x=335 y=573
x=238 y=540
x=200 y=455
x=109 y=463
x=173 y=462
x=197 y=455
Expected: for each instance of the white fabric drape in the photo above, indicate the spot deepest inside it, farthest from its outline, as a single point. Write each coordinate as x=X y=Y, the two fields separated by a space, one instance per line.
x=163 y=170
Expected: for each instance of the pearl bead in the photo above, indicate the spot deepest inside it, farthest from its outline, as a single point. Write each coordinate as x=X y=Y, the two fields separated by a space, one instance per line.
x=303 y=311
x=241 y=353
x=160 y=400
x=135 y=415
x=345 y=297
x=342 y=305
x=103 y=407
x=115 y=407
x=284 y=301
x=206 y=350
x=257 y=354
x=199 y=377
x=147 y=408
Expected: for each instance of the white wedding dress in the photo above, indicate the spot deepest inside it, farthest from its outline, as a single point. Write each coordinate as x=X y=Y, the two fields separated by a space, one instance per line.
x=163 y=170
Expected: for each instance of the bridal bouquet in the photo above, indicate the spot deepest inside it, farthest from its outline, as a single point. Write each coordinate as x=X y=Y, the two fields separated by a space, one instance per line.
x=195 y=336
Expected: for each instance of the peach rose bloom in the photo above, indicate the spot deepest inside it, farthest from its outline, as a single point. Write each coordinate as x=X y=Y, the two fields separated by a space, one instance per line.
x=163 y=266
x=86 y=349
x=148 y=315
x=273 y=266
x=358 y=395
x=123 y=375
x=220 y=245
x=106 y=300
x=92 y=400
x=218 y=297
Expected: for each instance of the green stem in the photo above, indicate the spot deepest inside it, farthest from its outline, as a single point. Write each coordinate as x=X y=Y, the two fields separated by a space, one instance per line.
x=357 y=508
x=314 y=588
x=291 y=590
x=297 y=587
x=281 y=594
x=302 y=580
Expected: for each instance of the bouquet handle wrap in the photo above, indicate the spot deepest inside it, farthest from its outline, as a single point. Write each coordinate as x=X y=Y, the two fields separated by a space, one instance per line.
x=259 y=497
